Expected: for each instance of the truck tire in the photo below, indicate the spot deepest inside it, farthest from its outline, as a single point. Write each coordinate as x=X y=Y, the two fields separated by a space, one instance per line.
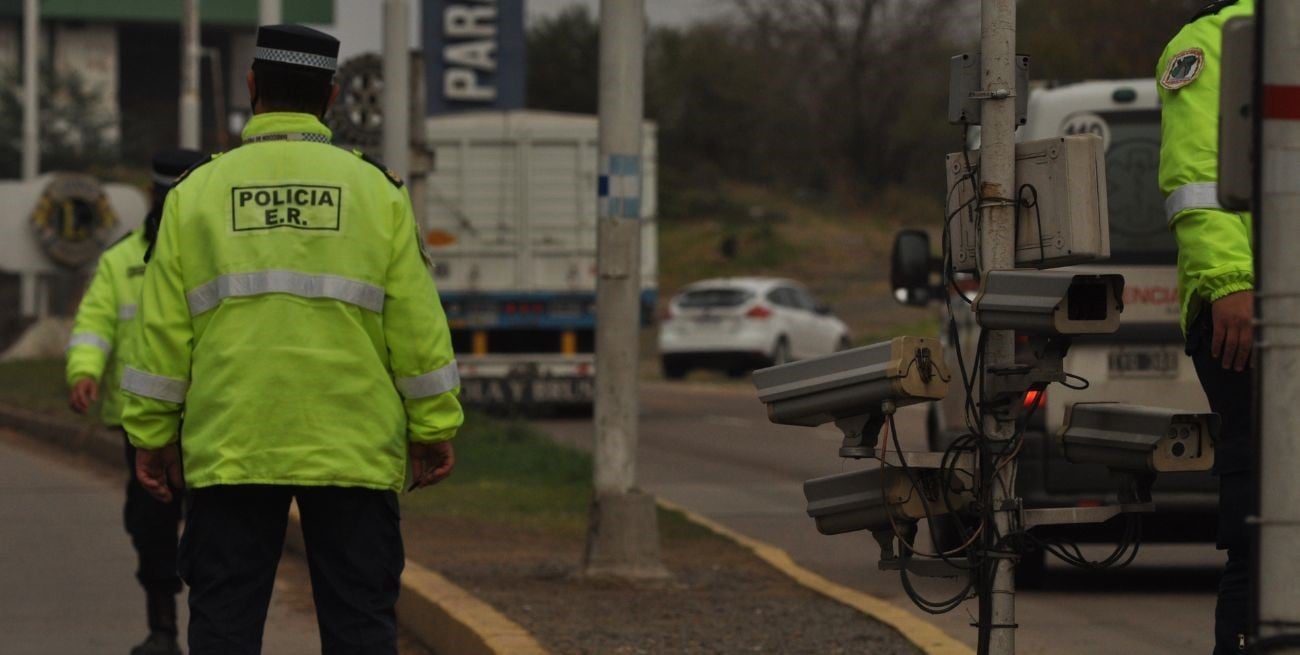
x=674 y=369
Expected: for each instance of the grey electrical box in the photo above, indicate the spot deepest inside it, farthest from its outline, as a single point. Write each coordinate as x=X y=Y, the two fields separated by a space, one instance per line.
x=1236 y=117
x=964 y=92
x=1060 y=200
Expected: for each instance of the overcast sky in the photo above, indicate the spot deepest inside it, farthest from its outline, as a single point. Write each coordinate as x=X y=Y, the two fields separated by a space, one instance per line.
x=358 y=24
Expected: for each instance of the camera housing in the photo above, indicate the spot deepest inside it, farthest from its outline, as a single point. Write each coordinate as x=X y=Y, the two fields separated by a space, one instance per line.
x=855 y=388
x=1138 y=439
x=1050 y=302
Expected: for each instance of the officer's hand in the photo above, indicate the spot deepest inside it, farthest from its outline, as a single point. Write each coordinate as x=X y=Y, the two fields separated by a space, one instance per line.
x=431 y=463
x=159 y=471
x=1234 y=329
x=83 y=394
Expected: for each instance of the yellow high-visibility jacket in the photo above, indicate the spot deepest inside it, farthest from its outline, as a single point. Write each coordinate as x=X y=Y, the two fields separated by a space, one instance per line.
x=1214 y=246
x=101 y=333
x=289 y=310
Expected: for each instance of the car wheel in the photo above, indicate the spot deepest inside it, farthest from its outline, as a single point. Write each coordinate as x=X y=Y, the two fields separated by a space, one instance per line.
x=675 y=369
x=780 y=352
x=843 y=344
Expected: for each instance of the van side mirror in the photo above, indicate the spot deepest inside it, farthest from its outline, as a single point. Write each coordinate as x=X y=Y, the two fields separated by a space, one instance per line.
x=910 y=268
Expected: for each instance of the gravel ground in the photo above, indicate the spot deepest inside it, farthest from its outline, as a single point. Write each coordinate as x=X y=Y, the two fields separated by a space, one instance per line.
x=721 y=599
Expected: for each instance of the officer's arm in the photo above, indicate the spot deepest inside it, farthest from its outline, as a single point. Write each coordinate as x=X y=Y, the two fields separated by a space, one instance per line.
x=95 y=331
x=158 y=377
x=1214 y=249
x=419 y=342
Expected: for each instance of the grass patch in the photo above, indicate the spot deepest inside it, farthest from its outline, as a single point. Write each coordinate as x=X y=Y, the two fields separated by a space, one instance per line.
x=507 y=471
x=37 y=384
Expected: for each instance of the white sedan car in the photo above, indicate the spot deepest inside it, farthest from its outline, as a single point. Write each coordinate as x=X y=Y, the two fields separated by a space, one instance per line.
x=741 y=323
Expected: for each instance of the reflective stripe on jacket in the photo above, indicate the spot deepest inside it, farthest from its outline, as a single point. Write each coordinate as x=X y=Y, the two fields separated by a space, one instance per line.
x=1214 y=245
x=288 y=308
x=101 y=333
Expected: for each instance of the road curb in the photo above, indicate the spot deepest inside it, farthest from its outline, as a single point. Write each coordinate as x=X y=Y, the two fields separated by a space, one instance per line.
x=926 y=636
x=438 y=613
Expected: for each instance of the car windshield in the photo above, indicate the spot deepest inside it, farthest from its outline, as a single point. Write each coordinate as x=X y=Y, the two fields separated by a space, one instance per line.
x=1138 y=232
x=716 y=297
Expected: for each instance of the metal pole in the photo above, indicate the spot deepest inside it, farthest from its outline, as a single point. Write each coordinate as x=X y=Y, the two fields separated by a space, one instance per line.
x=623 y=537
x=268 y=12
x=1278 y=359
x=397 y=88
x=31 y=166
x=189 y=104
x=997 y=249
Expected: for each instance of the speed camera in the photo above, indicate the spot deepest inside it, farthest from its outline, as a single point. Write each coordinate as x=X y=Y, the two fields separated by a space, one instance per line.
x=855 y=388
x=1050 y=302
x=1132 y=438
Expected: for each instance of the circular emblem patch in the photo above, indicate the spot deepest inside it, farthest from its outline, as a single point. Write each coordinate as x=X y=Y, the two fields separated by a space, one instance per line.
x=1183 y=69
x=73 y=219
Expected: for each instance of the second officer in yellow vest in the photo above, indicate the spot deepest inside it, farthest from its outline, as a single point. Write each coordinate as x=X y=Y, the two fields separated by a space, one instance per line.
x=288 y=310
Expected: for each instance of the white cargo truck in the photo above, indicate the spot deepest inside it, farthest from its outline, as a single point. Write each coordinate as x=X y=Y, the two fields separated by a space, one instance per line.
x=510 y=222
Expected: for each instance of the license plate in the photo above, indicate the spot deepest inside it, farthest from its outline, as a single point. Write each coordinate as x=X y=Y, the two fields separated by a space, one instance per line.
x=1144 y=362
x=523 y=391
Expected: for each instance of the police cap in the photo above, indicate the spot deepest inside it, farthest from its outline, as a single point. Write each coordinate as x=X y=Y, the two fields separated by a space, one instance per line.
x=296 y=45
x=168 y=164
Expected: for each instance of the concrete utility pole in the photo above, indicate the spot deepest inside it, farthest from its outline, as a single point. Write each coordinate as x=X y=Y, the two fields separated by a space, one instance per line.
x=1278 y=203
x=623 y=535
x=268 y=12
x=190 y=53
x=997 y=251
x=397 y=87
x=31 y=89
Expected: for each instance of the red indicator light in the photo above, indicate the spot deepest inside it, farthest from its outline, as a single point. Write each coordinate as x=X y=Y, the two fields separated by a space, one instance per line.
x=759 y=312
x=1033 y=398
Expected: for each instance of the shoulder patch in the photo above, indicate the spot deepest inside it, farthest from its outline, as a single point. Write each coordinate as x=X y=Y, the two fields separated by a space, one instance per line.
x=180 y=178
x=1183 y=69
x=388 y=172
x=1212 y=9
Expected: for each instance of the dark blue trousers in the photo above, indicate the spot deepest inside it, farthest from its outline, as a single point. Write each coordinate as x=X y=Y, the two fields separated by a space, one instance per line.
x=1231 y=396
x=153 y=527
x=231 y=547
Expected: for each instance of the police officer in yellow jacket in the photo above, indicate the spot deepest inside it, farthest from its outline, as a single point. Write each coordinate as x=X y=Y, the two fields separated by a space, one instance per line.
x=102 y=338
x=1216 y=280
x=289 y=311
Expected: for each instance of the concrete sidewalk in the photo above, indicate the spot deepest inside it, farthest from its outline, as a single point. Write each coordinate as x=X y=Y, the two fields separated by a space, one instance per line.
x=67 y=581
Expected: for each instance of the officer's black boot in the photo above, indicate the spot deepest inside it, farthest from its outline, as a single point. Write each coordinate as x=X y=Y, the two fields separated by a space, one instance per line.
x=162 y=626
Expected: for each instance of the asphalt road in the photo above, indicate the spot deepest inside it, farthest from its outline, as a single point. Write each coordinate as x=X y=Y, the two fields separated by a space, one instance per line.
x=711 y=448
x=67 y=582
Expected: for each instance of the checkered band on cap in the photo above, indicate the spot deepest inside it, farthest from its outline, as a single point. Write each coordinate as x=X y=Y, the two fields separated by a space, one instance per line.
x=296 y=58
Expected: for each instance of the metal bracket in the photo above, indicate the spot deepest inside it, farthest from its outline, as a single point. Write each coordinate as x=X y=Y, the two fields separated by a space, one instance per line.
x=926 y=568
x=1030 y=518
x=929 y=460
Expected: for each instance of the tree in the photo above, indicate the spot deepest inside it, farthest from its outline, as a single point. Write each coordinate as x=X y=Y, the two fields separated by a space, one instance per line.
x=564 y=62
x=74 y=134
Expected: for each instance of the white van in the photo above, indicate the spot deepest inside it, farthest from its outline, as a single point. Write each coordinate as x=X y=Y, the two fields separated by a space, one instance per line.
x=1143 y=363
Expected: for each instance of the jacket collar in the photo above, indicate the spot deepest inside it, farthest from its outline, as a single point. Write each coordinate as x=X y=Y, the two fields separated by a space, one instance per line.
x=288 y=123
